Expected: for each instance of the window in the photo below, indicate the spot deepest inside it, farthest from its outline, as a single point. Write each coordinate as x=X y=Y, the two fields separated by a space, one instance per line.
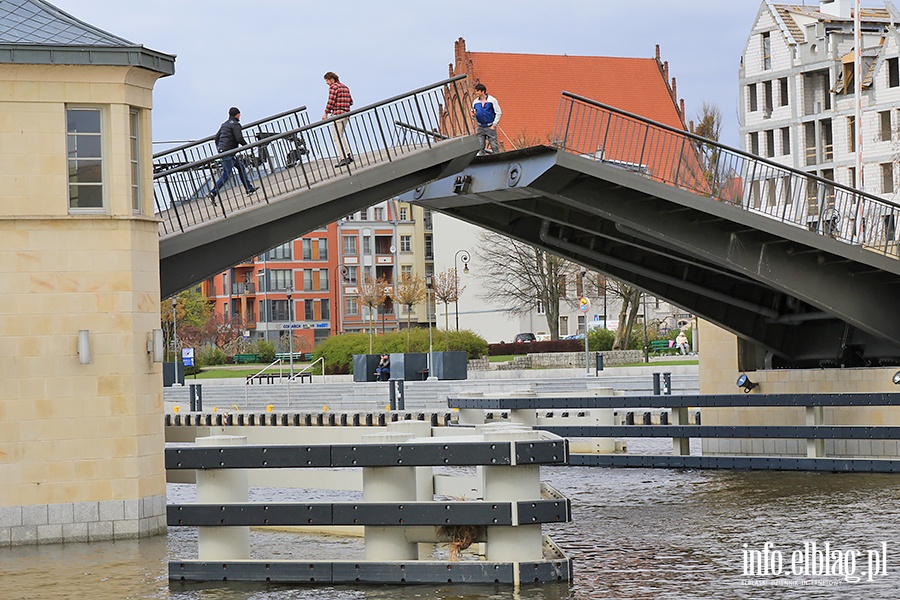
x=754 y=143
x=893 y=72
x=352 y=275
x=323 y=249
x=279 y=279
x=770 y=142
x=751 y=89
x=426 y=218
x=887 y=178
x=379 y=213
x=406 y=270
x=134 y=140
x=809 y=130
x=766 y=51
x=85 y=158
x=885 y=118
x=540 y=308
x=308 y=280
x=282 y=252
x=349 y=244
x=851 y=134
x=351 y=307
x=225 y=284
x=309 y=312
x=323 y=279
x=785 y=140
x=429 y=248
x=279 y=310
x=405 y=243
x=768 y=97
x=783 y=96
x=563 y=287
x=324 y=309
x=225 y=310
x=307 y=249
x=367 y=245
x=851 y=175
x=404 y=213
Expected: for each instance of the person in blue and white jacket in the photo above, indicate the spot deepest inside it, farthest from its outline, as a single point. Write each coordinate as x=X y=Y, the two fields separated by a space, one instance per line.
x=487 y=113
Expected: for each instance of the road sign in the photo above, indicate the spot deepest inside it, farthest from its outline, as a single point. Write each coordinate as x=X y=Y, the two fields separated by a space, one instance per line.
x=187 y=357
x=584 y=304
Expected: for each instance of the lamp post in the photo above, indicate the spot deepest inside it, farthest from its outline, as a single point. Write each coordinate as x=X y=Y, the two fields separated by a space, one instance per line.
x=175 y=333
x=428 y=284
x=462 y=255
x=291 y=328
x=646 y=341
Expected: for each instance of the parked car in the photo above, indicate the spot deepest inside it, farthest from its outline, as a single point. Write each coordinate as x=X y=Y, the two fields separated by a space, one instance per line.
x=525 y=337
x=574 y=336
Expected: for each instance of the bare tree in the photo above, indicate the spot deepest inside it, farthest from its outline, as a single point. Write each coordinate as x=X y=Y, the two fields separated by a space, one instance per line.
x=631 y=304
x=372 y=293
x=410 y=292
x=523 y=277
x=445 y=287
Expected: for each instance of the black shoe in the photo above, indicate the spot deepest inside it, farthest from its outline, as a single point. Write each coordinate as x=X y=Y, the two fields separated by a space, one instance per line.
x=349 y=158
x=344 y=162
x=251 y=190
x=212 y=196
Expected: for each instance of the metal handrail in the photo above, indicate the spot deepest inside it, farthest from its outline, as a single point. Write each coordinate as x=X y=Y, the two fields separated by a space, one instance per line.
x=699 y=165
x=321 y=359
x=304 y=156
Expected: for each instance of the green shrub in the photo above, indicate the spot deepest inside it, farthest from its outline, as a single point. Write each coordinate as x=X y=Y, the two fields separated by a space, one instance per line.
x=210 y=355
x=600 y=339
x=338 y=350
x=265 y=350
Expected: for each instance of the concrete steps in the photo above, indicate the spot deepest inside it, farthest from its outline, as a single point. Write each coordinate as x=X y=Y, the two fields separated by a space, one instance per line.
x=419 y=395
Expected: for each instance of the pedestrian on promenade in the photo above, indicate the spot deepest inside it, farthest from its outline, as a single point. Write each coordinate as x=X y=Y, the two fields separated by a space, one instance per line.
x=383 y=371
x=339 y=102
x=228 y=138
x=486 y=111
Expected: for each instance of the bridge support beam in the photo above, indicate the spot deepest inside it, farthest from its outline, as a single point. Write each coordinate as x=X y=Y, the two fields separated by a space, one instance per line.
x=216 y=486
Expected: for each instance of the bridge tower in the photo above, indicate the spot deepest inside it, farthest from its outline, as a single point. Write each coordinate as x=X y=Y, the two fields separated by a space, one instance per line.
x=81 y=432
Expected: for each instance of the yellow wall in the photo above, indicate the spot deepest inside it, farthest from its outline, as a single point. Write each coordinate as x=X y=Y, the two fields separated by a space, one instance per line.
x=719 y=372
x=70 y=432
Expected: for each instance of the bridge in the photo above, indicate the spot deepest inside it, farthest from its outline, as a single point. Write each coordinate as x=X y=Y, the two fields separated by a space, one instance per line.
x=802 y=267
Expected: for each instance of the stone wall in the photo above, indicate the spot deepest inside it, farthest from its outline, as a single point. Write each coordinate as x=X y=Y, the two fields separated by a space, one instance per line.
x=557 y=360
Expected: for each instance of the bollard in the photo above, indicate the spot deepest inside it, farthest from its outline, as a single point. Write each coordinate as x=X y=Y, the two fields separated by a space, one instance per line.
x=598 y=366
x=629 y=418
x=667 y=383
x=697 y=418
x=648 y=418
x=196 y=391
x=664 y=418
x=656 y=390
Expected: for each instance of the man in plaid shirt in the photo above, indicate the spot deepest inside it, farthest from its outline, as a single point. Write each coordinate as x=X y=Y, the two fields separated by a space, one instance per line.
x=339 y=102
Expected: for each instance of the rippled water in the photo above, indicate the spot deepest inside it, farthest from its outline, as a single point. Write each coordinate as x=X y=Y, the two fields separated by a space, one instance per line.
x=636 y=533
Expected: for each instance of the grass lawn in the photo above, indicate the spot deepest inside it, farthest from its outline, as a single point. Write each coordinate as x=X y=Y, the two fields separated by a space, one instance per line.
x=503 y=357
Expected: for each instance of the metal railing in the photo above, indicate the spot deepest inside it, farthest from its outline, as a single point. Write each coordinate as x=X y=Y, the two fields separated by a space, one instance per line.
x=690 y=162
x=305 y=155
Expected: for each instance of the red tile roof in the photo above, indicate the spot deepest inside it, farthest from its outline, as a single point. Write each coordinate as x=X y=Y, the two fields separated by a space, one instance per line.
x=528 y=88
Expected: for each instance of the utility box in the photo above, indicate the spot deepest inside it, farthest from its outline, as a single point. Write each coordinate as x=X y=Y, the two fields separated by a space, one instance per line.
x=173 y=373
x=409 y=366
x=451 y=365
x=364 y=366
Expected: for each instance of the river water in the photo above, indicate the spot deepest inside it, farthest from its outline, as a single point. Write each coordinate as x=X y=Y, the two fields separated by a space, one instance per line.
x=636 y=533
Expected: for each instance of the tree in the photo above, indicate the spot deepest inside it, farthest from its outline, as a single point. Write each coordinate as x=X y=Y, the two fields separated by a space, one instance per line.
x=409 y=292
x=192 y=310
x=446 y=288
x=709 y=126
x=631 y=303
x=372 y=293
x=523 y=277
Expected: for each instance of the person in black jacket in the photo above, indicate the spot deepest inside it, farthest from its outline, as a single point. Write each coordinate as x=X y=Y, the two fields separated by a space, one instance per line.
x=228 y=138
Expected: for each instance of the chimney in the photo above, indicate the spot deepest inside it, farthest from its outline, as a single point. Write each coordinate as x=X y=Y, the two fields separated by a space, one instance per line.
x=835 y=8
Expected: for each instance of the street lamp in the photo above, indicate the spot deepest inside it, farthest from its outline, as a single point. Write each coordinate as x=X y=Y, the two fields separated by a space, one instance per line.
x=428 y=285
x=462 y=255
x=291 y=328
x=175 y=333
x=646 y=340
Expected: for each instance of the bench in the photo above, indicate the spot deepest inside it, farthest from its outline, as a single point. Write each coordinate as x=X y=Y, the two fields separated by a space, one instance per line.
x=298 y=356
x=246 y=358
x=661 y=347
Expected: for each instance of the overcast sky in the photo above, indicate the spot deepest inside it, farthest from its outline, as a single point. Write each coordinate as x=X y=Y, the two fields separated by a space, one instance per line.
x=267 y=56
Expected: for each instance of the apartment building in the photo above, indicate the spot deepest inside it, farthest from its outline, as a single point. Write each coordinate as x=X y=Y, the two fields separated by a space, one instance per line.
x=798 y=102
x=528 y=88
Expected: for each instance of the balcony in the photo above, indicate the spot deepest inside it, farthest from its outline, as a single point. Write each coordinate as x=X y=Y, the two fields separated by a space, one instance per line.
x=243 y=289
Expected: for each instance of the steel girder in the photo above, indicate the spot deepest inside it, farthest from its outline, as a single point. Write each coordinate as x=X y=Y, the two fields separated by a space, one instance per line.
x=802 y=298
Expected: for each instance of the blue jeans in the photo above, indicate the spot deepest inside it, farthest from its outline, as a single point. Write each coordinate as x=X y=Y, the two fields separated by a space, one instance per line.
x=228 y=163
